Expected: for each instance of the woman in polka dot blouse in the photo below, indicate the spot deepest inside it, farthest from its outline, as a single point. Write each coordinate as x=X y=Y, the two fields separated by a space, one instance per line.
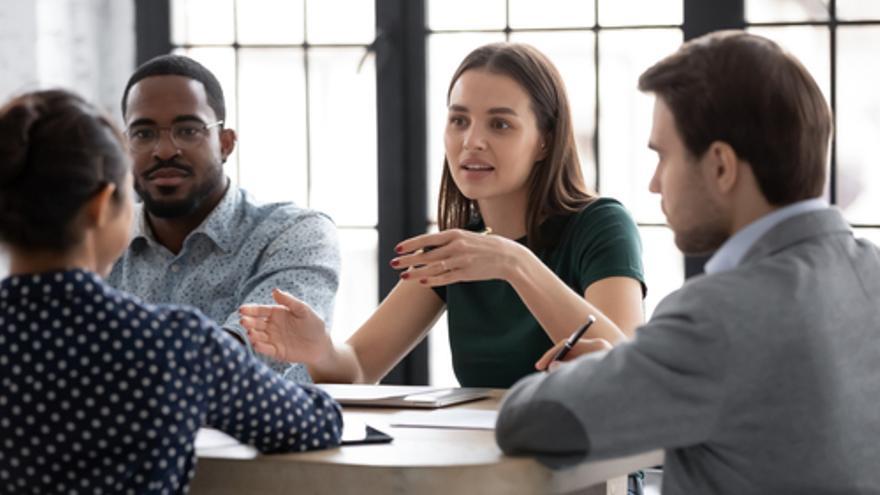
x=100 y=392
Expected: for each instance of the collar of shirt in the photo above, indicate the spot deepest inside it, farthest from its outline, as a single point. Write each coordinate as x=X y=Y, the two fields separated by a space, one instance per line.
x=215 y=226
x=732 y=251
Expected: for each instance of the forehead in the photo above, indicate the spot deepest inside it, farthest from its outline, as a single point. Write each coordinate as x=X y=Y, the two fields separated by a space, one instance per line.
x=163 y=98
x=664 y=129
x=480 y=89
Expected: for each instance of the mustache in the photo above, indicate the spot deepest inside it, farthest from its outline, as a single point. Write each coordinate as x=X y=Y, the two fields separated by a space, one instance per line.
x=159 y=165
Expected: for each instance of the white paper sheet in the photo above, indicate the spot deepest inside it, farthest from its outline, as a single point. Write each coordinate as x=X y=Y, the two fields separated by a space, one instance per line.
x=461 y=419
x=369 y=392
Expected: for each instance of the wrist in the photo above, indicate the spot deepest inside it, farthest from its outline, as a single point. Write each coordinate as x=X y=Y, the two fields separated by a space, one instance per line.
x=322 y=367
x=516 y=262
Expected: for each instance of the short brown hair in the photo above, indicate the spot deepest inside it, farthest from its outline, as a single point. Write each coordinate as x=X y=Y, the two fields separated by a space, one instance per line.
x=745 y=90
x=556 y=183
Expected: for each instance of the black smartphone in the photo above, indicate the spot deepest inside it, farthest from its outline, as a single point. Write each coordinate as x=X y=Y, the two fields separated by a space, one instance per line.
x=369 y=435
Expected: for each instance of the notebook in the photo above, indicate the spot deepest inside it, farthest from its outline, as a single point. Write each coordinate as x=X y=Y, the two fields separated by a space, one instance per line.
x=402 y=396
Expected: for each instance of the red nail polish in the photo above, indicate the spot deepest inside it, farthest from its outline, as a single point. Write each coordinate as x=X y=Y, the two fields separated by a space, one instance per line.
x=395 y=262
x=404 y=275
x=423 y=281
x=398 y=249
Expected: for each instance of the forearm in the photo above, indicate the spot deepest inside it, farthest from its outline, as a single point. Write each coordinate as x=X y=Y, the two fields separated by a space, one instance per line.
x=558 y=308
x=341 y=365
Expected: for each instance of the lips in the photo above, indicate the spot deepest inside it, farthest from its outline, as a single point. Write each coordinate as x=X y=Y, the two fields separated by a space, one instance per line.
x=476 y=168
x=167 y=175
x=164 y=173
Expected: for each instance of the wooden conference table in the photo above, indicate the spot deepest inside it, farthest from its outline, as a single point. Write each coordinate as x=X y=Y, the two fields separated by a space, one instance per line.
x=418 y=461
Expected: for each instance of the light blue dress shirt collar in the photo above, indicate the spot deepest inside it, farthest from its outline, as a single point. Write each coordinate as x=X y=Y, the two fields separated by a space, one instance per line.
x=731 y=253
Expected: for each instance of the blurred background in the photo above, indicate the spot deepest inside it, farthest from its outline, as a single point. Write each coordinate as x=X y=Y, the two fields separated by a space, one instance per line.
x=340 y=104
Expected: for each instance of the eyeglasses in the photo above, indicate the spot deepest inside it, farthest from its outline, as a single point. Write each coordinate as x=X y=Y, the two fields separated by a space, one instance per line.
x=184 y=135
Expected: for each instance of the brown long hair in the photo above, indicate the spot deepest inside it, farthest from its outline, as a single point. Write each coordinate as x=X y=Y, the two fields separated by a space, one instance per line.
x=556 y=183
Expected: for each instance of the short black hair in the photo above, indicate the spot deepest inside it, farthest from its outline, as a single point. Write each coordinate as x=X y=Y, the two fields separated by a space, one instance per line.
x=178 y=65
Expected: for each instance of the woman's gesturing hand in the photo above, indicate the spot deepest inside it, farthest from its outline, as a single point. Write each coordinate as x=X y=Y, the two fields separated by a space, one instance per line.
x=289 y=331
x=456 y=255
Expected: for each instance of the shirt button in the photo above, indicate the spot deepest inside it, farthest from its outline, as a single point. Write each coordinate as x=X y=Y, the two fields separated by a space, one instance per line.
x=175 y=268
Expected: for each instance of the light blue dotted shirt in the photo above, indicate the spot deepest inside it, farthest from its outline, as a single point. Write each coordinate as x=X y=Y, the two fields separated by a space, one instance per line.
x=100 y=393
x=239 y=254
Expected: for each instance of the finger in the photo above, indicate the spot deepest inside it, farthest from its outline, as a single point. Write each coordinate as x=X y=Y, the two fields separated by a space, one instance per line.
x=256 y=336
x=547 y=358
x=433 y=240
x=420 y=258
x=252 y=323
x=583 y=346
x=446 y=278
x=257 y=310
x=266 y=349
x=435 y=269
x=554 y=365
x=296 y=307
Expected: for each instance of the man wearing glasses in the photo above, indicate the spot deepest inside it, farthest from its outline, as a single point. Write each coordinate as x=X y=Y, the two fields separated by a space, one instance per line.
x=199 y=241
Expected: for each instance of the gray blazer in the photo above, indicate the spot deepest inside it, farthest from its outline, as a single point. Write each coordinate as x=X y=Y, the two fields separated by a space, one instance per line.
x=762 y=379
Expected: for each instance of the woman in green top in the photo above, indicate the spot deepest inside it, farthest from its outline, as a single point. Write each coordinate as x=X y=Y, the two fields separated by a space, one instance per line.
x=556 y=253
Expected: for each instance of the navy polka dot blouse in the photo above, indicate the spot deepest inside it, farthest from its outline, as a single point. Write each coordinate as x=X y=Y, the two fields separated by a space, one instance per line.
x=102 y=393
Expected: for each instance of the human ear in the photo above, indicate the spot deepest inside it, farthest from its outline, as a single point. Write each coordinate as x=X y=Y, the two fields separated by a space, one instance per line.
x=228 y=139
x=723 y=166
x=543 y=148
x=99 y=208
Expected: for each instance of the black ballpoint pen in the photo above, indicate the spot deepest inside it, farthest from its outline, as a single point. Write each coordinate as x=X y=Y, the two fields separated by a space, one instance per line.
x=573 y=339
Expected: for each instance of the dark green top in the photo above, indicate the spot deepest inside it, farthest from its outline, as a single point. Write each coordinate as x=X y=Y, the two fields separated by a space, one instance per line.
x=495 y=339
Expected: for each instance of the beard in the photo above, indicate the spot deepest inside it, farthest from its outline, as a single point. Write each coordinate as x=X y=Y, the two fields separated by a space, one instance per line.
x=178 y=208
x=701 y=240
x=706 y=231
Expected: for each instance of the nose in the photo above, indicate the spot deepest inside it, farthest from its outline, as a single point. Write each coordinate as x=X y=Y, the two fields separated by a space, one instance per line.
x=474 y=139
x=165 y=147
x=654 y=185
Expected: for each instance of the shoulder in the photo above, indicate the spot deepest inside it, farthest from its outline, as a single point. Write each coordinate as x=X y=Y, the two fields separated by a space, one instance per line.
x=280 y=216
x=157 y=316
x=718 y=301
x=602 y=212
x=603 y=222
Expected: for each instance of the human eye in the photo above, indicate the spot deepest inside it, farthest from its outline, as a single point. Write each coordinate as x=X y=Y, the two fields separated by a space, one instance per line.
x=142 y=133
x=500 y=124
x=456 y=120
x=187 y=131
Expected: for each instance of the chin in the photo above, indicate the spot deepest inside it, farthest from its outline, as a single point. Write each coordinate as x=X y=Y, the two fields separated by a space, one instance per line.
x=700 y=243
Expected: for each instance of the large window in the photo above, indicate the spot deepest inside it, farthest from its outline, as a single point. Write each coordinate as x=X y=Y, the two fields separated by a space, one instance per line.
x=302 y=96
x=837 y=41
x=600 y=48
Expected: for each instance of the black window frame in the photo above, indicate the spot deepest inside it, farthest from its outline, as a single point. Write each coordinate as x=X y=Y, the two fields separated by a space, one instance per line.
x=401 y=54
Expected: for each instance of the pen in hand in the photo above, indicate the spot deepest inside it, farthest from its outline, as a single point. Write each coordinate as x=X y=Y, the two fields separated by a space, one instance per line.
x=572 y=340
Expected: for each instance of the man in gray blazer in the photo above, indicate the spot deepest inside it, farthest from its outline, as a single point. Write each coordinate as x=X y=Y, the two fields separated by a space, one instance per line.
x=762 y=376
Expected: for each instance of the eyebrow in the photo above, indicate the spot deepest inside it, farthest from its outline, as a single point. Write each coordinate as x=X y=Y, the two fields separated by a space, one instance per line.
x=179 y=118
x=492 y=111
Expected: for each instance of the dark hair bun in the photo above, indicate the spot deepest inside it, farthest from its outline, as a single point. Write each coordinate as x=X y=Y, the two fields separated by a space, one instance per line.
x=15 y=128
x=56 y=151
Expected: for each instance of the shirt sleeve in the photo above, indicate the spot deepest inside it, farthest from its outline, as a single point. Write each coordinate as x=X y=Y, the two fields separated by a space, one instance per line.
x=257 y=406
x=303 y=260
x=663 y=390
x=608 y=245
